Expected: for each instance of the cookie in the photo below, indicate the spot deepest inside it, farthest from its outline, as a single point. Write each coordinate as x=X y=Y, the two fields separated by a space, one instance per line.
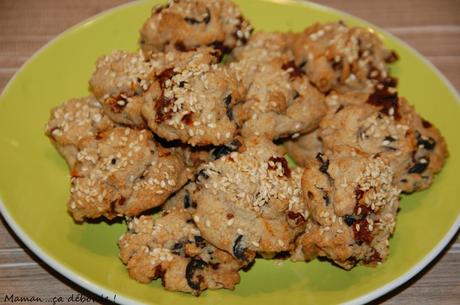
x=193 y=100
x=123 y=172
x=389 y=126
x=338 y=57
x=280 y=100
x=187 y=24
x=172 y=248
x=353 y=203
x=429 y=155
x=249 y=201
x=73 y=122
x=119 y=83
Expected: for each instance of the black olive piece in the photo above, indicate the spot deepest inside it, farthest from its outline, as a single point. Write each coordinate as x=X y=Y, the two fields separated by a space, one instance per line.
x=224 y=150
x=219 y=45
x=349 y=220
x=327 y=200
x=389 y=139
x=427 y=143
x=199 y=241
x=201 y=173
x=113 y=161
x=228 y=99
x=239 y=250
x=176 y=249
x=229 y=112
x=187 y=200
x=324 y=163
x=192 y=266
x=419 y=167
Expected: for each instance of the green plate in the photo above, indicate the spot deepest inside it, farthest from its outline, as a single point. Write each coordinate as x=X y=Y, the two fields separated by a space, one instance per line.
x=34 y=180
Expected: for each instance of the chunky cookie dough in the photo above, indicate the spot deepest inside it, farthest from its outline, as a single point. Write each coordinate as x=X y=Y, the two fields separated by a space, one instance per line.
x=123 y=172
x=353 y=204
x=172 y=248
x=249 y=201
x=73 y=122
x=188 y=24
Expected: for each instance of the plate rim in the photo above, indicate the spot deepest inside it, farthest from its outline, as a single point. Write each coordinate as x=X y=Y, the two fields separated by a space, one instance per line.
x=121 y=298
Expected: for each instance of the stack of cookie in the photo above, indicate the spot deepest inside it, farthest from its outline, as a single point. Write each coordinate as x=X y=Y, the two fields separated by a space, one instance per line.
x=188 y=126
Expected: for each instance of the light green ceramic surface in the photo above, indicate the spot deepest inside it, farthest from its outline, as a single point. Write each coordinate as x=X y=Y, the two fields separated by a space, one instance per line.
x=34 y=180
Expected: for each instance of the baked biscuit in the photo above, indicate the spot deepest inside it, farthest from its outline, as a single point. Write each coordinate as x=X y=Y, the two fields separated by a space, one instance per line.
x=193 y=100
x=342 y=58
x=249 y=201
x=122 y=78
x=73 y=122
x=353 y=203
x=415 y=150
x=429 y=155
x=280 y=100
x=119 y=83
x=172 y=248
x=123 y=172
x=188 y=24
